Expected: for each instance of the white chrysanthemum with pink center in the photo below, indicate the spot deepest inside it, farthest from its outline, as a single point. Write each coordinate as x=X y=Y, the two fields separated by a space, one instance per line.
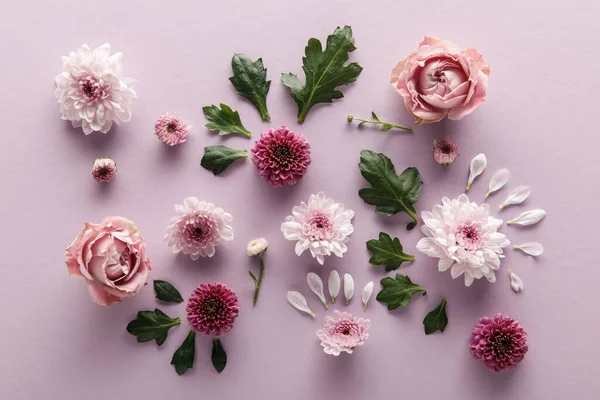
x=321 y=226
x=464 y=237
x=91 y=90
x=343 y=332
x=198 y=228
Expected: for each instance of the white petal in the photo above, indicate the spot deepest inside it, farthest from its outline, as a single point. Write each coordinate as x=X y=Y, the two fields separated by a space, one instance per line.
x=517 y=196
x=299 y=302
x=334 y=284
x=478 y=165
x=348 y=287
x=529 y=217
x=515 y=282
x=316 y=285
x=498 y=181
x=532 y=248
x=366 y=294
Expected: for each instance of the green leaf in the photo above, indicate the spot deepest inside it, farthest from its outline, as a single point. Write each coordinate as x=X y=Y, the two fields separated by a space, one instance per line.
x=389 y=193
x=218 y=356
x=250 y=80
x=324 y=70
x=385 y=127
x=166 y=292
x=183 y=358
x=387 y=251
x=151 y=325
x=398 y=292
x=375 y=116
x=225 y=121
x=436 y=319
x=217 y=158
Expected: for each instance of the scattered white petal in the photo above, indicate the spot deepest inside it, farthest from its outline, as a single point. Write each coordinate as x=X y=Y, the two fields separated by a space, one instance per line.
x=316 y=285
x=334 y=284
x=531 y=248
x=517 y=196
x=515 y=282
x=529 y=217
x=299 y=302
x=348 y=287
x=478 y=165
x=366 y=294
x=498 y=181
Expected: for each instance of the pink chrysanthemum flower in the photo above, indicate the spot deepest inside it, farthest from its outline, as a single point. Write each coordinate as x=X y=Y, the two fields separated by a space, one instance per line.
x=321 y=226
x=198 y=228
x=212 y=309
x=171 y=130
x=281 y=156
x=104 y=169
x=445 y=152
x=499 y=343
x=343 y=332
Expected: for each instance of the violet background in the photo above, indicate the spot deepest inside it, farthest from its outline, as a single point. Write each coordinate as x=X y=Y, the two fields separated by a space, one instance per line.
x=538 y=121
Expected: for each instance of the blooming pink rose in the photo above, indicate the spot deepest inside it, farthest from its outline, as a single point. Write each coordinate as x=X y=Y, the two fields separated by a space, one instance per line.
x=111 y=256
x=439 y=79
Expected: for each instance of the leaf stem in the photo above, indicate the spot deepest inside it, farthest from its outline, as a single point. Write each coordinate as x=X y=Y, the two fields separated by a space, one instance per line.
x=257 y=282
x=377 y=122
x=303 y=114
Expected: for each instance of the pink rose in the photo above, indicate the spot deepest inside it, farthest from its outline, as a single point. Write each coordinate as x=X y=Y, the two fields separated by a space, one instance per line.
x=111 y=256
x=439 y=79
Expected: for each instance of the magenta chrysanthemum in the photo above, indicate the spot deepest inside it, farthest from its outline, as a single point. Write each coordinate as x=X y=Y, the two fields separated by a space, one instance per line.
x=281 y=156
x=499 y=343
x=212 y=309
x=343 y=332
x=171 y=130
x=104 y=169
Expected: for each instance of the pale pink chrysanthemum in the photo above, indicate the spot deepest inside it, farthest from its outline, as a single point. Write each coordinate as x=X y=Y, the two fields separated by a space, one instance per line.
x=445 y=152
x=212 y=309
x=321 y=226
x=198 y=228
x=499 y=343
x=171 y=130
x=343 y=332
x=104 y=169
x=281 y=156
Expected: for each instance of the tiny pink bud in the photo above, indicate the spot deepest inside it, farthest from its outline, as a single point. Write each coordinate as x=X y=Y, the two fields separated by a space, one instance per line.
x=445 y=152
x=104 y=169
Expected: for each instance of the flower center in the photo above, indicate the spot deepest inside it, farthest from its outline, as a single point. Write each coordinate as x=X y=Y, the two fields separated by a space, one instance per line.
x=90 y=87
x=319 y=225
x=211 y=307
x=439 y=76
x=501 y=343
x=468 y=236
x=171 y=126
x=446 y=148
x=198 y=230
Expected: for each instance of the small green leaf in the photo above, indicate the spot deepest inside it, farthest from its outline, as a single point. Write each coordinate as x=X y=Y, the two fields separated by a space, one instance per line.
x=152 y=325
x=225 y=121
x=375 y=116
x=385 y=127
x=218 y=356
x=361 y=123
x=166 y=292
x=217 y=158
x=389 y=193
x=436 y=319
x=387 y=251
x=250 y=80
x=183 y=358
x=398 y=292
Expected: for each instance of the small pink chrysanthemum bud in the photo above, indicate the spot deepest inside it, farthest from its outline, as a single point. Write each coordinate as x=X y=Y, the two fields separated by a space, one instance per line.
x=445 y=152
x=171 y=130
x=104 y=169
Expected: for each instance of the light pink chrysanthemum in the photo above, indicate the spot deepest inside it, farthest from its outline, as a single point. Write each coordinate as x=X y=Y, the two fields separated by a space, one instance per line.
x=91 y=90
x=198 y=228
x=343 y=332
x=499 y=343
x=321 y=226
x=464 y=237
x=212 y=309
x=445 y=152
x=281 y=156
x=171 y=130
x=104 y=169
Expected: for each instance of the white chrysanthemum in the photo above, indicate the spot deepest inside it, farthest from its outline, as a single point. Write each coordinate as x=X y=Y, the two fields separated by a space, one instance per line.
x=198 y=228
x=257 y=246
x=464 y=237
x=321 y=226
x=91 y=90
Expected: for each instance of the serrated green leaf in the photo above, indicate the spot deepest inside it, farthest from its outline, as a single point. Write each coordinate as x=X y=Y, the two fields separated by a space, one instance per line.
x=398 y=291
x=166 y=292
x=436 y=319
x=250 y=81
x=218 y=356
x=387 y=251
x=385 y=127
x=217 y=158
x=225 y=121
x=183 y=358
x=152 y=325
x=324 y=70
x=389 y=193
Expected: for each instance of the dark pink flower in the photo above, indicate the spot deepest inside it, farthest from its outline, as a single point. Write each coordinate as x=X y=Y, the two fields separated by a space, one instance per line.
x=281 y=156
x=499 y=343
x=212 y=308
x=104 y=169
x=445 y=152
x=171 y=130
